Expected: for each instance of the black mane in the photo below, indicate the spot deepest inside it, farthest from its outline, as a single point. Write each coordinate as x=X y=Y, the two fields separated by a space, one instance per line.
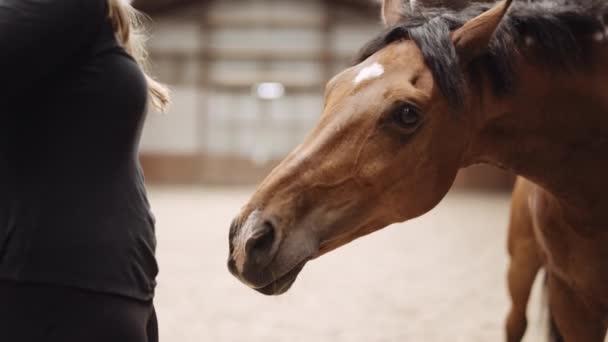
x=560 y=29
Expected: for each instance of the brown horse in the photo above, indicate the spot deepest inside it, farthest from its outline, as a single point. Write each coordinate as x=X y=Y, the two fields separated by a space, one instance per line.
x=521 y=87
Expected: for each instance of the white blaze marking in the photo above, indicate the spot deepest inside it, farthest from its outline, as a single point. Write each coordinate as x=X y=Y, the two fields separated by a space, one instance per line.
x=369 y=72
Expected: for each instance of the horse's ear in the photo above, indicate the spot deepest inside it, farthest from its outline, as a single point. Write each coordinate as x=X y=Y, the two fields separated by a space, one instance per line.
x=392 y=12
x=473 y=38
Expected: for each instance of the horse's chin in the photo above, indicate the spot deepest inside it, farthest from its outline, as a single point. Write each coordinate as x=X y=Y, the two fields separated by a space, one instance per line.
x=284 y=283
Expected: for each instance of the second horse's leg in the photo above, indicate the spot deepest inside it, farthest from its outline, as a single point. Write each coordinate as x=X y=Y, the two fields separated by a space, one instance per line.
x=525 y=260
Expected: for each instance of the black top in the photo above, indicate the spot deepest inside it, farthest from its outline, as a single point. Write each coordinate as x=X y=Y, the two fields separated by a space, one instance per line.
x=73 y=208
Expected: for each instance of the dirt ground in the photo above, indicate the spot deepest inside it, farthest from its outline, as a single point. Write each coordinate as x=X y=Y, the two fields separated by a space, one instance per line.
x=437 y=278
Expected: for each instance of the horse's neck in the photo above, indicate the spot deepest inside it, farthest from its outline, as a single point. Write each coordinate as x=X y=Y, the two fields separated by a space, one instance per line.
x=554 y=131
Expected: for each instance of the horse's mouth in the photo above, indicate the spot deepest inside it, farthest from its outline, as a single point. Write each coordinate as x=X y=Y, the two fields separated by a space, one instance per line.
x=283 y=283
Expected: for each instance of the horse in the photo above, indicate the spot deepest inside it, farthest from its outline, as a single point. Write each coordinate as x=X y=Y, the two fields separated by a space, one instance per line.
x=518 y=85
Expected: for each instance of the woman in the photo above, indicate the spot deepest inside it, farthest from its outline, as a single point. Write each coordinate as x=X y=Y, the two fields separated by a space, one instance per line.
x=76 y=234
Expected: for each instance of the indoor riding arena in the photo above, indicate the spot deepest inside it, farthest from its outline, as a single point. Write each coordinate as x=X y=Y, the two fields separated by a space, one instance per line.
x=304 y=171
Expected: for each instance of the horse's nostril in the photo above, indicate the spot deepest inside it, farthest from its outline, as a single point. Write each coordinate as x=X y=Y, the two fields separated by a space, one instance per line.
x=260 y=243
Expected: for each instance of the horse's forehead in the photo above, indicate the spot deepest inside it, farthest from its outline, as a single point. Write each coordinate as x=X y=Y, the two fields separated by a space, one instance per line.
x=393 y=58
x=396 y=59
x=359 y=74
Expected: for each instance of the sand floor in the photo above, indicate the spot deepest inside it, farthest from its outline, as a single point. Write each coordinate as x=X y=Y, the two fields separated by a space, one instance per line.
x=437 y=278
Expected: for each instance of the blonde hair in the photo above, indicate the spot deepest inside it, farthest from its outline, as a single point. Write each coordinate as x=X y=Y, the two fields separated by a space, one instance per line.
x=131 y=35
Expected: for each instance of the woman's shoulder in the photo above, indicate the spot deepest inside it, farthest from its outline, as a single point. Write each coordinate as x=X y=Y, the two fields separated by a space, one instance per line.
x=71 y=10
x=86 y=8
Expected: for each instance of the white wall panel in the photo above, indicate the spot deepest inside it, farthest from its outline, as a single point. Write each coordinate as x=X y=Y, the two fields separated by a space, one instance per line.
x=266 y=39
x=172 y=35
x=258 y=10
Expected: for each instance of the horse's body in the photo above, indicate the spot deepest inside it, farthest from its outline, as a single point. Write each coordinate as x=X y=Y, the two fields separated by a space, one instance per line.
x=430 y=98
x=557 y=137
x=575 y=265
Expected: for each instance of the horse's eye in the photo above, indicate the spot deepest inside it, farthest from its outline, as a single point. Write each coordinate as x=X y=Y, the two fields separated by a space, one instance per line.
x=407 y=116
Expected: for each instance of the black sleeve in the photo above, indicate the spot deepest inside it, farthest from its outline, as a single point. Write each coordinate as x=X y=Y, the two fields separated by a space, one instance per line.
x=39 y=36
